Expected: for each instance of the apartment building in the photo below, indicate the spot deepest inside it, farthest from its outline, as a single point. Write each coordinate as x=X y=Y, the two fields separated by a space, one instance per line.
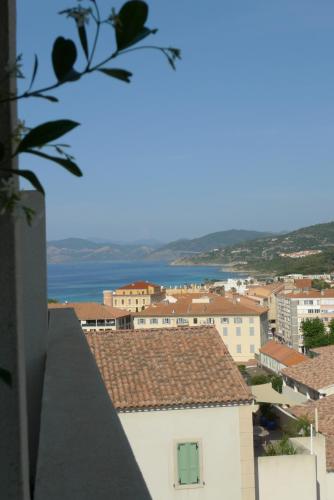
x=185 y=409
x=242 y=324
x=134 y=297
x=293 y=308
x=97 y=317
x=266 y=296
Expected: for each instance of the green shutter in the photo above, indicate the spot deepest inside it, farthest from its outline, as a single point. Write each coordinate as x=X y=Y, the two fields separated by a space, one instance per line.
x=188 y=463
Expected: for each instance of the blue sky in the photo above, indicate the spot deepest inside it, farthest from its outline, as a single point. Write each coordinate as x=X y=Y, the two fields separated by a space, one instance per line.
x=240 y=136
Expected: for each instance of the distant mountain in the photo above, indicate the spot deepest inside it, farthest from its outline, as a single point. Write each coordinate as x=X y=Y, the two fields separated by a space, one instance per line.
x=81 y=250
x=209 y=242
x=273 y=254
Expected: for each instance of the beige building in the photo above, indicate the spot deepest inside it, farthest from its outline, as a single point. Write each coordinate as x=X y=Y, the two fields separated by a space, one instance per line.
x=266 y=295
x=94 y=316
x=135 y=296
x=185 y=409
x=241 y=323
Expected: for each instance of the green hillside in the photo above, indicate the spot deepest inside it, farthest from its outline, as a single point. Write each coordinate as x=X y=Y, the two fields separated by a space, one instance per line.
x=264 y=254
x=220 y=239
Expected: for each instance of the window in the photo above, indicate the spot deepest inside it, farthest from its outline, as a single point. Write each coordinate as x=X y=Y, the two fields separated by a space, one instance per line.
x=195 y=321
x=251 y=319
x=251 y=331
x=224 y=320
x=188 y=464
x=238 y=348
x=238 y=331
x=136 y=301
x=143 y=301
x=181 y=321
x=129 y=301
x=225 y=331
x=154 y=321
x=122 y=302
x=210 y=321
x=141 y=321
x=252 y=348
x=165 y=321
x=115 y=302
x=237 y=320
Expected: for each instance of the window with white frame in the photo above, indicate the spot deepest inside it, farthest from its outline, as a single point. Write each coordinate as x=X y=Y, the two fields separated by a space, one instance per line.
x=252 y=348
x=141 y=321
x=238 y=331
x=182 y=321
x=238 y=348
x=166 y=321
x=210 y=321
x=252 y=331
x=225 y=331
x=237 y=320
x=251 y=319
x=154 y=321
x=224 y=320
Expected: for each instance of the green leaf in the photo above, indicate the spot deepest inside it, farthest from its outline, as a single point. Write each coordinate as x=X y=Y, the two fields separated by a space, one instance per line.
x=130 y=23
x=6 y=376
x=34 y=72
x=42 y=134
x=121 y=74
x=64 y=55
x=83 y=39
x=68 y=164
x=47 y=97
x=29 y=175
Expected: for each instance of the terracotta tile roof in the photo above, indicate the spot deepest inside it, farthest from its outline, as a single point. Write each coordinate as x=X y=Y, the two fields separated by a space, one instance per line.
x=265 y=291
x=138 y=285
x=316 y=373
x=167 y=368
x=282 y=353
x=217 y=305
x=92 y=310
x=303 y=283
x=325 y=408
x=312 y=294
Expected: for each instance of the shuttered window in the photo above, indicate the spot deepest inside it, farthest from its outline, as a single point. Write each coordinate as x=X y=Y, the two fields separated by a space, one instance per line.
x=188 y=463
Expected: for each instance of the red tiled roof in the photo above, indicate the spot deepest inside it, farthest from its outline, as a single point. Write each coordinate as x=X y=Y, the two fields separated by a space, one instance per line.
x=312 y=294
x=303 y=283
x=325 y=408
x=167 y=368
x=282 y=353
x=316 y=373
x=138 y=285
x=216 y=305
x=91 y=310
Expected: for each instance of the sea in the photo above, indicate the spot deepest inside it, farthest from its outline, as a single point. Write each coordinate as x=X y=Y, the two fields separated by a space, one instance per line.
x=83 y=282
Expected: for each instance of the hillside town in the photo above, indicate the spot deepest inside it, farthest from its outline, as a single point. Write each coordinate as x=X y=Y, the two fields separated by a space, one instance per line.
x=221 y=373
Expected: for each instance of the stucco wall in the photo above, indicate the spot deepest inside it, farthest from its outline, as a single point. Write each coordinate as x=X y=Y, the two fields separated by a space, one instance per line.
x=153 y=436
x=288 y=477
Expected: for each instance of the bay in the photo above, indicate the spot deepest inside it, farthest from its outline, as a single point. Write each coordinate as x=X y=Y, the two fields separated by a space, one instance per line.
x=82 y=282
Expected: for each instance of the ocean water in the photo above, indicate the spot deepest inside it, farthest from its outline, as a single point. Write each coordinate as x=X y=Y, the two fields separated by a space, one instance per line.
x=86 y=281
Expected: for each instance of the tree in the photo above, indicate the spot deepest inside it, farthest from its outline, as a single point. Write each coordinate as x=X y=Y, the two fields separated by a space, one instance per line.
x=315 y=334
x=129 y=26
x=320 y=284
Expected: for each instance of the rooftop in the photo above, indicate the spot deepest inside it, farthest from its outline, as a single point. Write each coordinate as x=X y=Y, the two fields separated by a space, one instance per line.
x=312 y=294
x=166 y=368
x=216 y=305
x=303 y=283
x=138 y=285
x=316 y=373
x=91 y=310
x=282 y=353
x=325 y=408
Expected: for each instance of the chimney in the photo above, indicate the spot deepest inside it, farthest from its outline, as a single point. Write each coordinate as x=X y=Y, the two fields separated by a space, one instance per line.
x=107 y=297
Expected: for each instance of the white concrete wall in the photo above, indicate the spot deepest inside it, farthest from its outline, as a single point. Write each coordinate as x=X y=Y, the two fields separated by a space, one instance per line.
x=153 y=436
x=287 y=477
